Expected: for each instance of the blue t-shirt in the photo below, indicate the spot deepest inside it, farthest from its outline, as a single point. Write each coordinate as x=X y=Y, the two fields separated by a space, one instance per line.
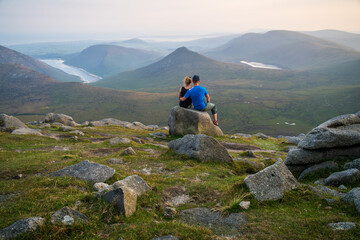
x=197 y=95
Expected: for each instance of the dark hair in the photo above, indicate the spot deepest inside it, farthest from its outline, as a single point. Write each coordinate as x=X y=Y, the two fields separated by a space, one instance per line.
x=196 y=78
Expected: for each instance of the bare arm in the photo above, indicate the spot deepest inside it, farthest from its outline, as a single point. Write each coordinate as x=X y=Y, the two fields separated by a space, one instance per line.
x=179 y=93
x=207 y=97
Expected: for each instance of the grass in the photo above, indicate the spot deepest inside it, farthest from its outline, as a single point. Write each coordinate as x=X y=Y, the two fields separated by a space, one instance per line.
x=299 y=215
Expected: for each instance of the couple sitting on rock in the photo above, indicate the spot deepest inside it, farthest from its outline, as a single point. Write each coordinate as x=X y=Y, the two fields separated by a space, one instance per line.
x=195 y=96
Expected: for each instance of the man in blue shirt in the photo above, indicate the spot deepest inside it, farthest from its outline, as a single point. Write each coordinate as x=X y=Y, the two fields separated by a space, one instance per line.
x=197 y=94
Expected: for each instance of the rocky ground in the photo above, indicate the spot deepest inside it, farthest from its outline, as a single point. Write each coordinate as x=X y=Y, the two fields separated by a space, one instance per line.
x=46 y=182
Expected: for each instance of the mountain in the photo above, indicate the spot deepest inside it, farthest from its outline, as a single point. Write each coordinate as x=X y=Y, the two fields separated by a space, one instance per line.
x=171 y=70
x=10 y=56
x=134 y=41
x=344 y=38
x=286 y=49
x=107 y=60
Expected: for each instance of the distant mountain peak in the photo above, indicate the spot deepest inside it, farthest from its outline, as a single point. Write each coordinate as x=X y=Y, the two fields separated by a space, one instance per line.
x=134 y=41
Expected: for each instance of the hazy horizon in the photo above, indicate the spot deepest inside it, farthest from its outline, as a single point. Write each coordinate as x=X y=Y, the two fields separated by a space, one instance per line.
x=30 y=21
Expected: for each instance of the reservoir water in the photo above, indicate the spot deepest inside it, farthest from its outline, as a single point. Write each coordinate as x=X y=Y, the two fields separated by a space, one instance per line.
x=84 y=75
x=260 y=65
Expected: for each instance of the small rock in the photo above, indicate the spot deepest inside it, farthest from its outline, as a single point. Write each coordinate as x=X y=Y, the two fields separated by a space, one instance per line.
x=234 y=137
x=158 y=135
x=261 y=135
x=342 y=225
x=353 y=164
x=60 y=118
x=244 y=204
x=119 y=140
x=75 y=138
x=100 y=186
x=129 y=151
x=149 y=150
x=67 y=129
x=77 y=132
x=68 y=216
x=251 y=154
x=124 y=199
x=115 y=161
x=135 y=183
x=138 y=140
x=342 y=187
x=21 y=226
x=353 y=197
x=18 y=176
x=27 y=131
x=244 y=135
x=45 y=125
x=344 y=177
x=169 y=213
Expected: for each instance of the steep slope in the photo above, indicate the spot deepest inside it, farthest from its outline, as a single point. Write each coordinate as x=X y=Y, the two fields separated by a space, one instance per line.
x=10 y=56
x=344 y=38
x=171 y=70
x=285 y=49
x=107 y=60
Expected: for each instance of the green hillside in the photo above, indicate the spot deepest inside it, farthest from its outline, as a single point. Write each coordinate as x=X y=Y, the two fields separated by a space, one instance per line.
x=285 y=49
x=10 y=56
x=107 y=60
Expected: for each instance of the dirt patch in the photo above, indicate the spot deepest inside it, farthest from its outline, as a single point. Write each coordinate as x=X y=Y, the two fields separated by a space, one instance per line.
x=102 y=152
x=238 y=146
x=175 y=196
x=97 y=140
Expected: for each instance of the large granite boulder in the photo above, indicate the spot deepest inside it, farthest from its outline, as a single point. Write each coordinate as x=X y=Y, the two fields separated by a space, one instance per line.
x=353 y=197
x=340 y=131
x=348 y=176
x=60 y=118
x=201 y=147
x=184 y=121
x=86 y=170
x=318 y=167
x=22 y=226
x=124 y=200
x=272 y=182
x=10 y=123
x=335 y=139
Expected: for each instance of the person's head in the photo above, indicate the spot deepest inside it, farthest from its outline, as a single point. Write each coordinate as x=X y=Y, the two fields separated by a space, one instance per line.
x=187 y=81
x=196 y=79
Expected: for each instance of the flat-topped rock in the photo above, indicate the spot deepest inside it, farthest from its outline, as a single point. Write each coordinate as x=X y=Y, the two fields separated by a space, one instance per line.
x=10 y=123
x=59 y=217
x=184 y=121
x=86 y=170
x=60 y=118
x=201 y=147
x=27 y=131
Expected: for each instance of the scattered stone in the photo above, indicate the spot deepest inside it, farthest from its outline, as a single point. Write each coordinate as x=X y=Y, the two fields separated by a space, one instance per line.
x=134 y=182
x=353 y=197
x=22 y=226
x=244 y=135
x=201 y=147
x=115 y=161
x=330 y=200
x=60 y=118
x=56 y=124
x=18 y=176
x=318 y=167
x=175 y=196
x=87 y=170
x=353 y=164
x=234 y=137
x=10 y=123
x=119 y=140
x=152 y=127
x=320 y=181
x=251 y=154
x=322 y=191
x=124 y=199
x=342 y=226
x=340 y=131
x=169 y=213
x=75 y=138
x=262 y=136
x=165 y=128
x=77 y=132
x=138 y=140
x=272 y=182
x=344 y=177
x=129 y=151
x=100 y=186
x=158 y=135
x=167 y=237
x=136 y=126
x=27 y=131
x=108 y=122
x=244 y=204
x=68 y=216
x=184 y=121
x=45 y=125
x=67 y=129
x=160 y=145
x=220 y=225
x=342 y=187
x=149 y=150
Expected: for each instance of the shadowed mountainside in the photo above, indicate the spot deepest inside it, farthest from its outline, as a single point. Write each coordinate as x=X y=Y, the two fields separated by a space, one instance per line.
x=285 y=49
x=107 y=60
x=10 y=56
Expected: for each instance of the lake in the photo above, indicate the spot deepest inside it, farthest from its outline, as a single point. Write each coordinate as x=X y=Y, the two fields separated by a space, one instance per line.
x=84 y=75
x=260 y=65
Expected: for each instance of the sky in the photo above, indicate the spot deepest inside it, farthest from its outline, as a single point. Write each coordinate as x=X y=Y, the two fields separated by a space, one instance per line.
x=50 y=20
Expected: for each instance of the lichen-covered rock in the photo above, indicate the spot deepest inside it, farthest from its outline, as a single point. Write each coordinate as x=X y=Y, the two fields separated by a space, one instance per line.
x=27 y=131
x=60 y=118
x=318 y=167
x=64 y=216
x=128 y=151
x=124 y=199
x=10 y=123
x=344 y=177
x=86 y=170
x=201 y=147
x=184 y=121
x=342 y=226
x=353 y=164
x=133 y=182
x=272 y=182
x=21 y=226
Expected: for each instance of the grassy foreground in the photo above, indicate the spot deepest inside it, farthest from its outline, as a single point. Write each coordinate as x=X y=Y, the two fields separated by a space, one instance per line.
x=299 y=215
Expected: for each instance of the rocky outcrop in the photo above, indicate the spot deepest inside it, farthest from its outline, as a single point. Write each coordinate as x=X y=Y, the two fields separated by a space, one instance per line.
x=201 y=147
x=27 y=131
x=354 y=164
x=10 y=123
x=68 y=216
x=335 y=139
x=184 y=121
x=272 y=182
x=88 y=171
x=318 y=167
x=21 y=226
x=344 y=177
x=60 y=118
